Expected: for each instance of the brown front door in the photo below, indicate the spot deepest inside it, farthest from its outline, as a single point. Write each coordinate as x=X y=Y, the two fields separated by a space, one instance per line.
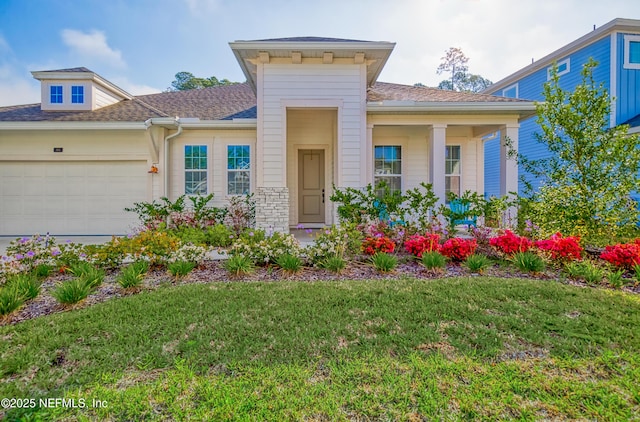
x=311 y=186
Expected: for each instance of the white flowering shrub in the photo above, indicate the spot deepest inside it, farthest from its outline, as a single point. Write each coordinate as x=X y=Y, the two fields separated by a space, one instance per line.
x=188 y=252
x=26 y=253
x=265 y=250
x=338 y=241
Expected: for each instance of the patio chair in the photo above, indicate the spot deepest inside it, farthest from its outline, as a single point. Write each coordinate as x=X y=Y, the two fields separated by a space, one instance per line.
x=460 y=214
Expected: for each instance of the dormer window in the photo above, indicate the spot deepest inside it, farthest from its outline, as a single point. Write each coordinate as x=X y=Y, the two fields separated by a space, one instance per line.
x=77 y=94
x=56 y=94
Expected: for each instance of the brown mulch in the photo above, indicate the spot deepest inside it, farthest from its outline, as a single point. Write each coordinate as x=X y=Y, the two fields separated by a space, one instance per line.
x=213 y=272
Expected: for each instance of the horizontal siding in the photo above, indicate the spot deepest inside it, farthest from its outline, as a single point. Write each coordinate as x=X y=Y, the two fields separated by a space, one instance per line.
x=628 y=95
x=102 y=97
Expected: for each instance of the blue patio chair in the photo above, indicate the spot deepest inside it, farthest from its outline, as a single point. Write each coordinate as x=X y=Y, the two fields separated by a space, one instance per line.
x=460 y=214
x=383 y=214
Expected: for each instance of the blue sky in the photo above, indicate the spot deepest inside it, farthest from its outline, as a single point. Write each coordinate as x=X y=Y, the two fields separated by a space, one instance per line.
x=141 y=44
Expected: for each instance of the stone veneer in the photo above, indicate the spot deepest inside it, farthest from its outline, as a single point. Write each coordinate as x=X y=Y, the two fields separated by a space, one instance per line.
x=272 y=209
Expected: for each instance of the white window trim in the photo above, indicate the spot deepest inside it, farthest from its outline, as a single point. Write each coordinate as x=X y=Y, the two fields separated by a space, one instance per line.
x=389 y=142
x=207 y=172
x=459 y=174
x=558 y=64
x=509 y=88
x=628 y=39
x=227 y=170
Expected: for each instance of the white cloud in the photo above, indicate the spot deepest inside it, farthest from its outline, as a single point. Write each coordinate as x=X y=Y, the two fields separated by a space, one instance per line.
x=198 y=7
x=18 y=91
x=133 y=88
x=93 y=46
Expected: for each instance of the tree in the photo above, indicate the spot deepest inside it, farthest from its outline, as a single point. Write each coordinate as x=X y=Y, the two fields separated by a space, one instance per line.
x=592 y=170
x=185 y=81
x=455 y=63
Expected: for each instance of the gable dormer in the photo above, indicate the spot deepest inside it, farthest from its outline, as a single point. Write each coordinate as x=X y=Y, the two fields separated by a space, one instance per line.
x=77 y=89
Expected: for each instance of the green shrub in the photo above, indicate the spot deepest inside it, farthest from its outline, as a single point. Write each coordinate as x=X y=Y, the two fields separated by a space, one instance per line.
x=290 y=263
x=180 y=268
x=26 y=285
x=433 y=260
x=219 y=236
x=528 y=262
x=384 y=262
x=615 y=279
x=477 y=263
x=265 y=250
x=238 y=265
x=586 y=271
x=89 y=274
x=335 y=241
x=42 y=270
x=72 y=291
x=131 y=276
x=334 y=263
x=10 y=300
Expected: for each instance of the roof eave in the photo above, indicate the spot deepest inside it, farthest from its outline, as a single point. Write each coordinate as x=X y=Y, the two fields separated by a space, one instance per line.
x=524 y=109
x=71 y=125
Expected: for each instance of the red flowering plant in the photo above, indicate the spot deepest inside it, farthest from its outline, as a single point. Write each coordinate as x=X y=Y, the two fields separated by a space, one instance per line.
x=564 y=248
x=626 y=255
x=510 y=243
x=418 y=244
x=374 y=244
x=458 y=249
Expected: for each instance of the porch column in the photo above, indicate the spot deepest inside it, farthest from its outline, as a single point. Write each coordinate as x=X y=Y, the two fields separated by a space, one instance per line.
x=369 y=156
x=508 y=165
x=437 y=160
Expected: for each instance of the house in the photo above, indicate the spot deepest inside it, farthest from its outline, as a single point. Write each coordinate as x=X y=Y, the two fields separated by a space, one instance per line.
x=310 y=116
x=615 y=46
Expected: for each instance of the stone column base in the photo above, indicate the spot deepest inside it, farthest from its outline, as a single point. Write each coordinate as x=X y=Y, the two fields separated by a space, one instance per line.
x=272 y=209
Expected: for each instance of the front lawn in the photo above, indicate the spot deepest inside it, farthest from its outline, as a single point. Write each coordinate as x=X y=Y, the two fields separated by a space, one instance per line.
x=403 y=349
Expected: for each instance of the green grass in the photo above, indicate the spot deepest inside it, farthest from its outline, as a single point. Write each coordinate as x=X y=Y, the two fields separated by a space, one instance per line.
x=456 y=348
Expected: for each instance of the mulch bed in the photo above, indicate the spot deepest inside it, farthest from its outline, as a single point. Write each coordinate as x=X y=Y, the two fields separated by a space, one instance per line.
x=213 y=272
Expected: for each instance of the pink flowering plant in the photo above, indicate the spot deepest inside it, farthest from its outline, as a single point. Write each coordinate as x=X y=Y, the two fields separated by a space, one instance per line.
x=623 y=255
x=458 y=249
x=561 y=248
x=419 y=244
x=510 y=243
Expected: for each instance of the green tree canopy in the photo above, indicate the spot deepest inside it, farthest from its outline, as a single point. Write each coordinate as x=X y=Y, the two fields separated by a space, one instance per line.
x=592 y=169
x=455 y=63
x=185 y=81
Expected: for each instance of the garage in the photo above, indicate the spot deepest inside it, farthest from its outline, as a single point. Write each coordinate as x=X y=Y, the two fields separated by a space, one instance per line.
x=70 y=197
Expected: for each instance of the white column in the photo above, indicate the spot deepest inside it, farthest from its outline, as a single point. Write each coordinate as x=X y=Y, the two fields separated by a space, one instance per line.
x=508 y=164
x=437 y=160
x=369 y=156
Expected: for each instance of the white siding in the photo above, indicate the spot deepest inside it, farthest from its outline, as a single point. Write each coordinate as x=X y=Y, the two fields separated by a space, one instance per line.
x=102 y=98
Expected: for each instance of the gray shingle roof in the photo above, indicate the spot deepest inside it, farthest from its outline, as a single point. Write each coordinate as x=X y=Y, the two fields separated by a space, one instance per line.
x=70 y=70
x=308 y=39
x=221 y=103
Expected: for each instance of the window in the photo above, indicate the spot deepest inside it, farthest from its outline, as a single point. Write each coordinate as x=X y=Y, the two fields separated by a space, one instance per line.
x=510 y=91
x=564 y=66
x=388 y=166
x=56 y=94
x=632 y=51
x=238 y=170
x=77 y=95
x=195 y=169
x=452 y=170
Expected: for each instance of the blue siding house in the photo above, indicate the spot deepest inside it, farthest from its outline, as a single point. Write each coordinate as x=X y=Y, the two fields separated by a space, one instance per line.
x=615 y=46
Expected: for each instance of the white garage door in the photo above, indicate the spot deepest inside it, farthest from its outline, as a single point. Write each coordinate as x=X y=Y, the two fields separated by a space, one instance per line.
x=66 y=198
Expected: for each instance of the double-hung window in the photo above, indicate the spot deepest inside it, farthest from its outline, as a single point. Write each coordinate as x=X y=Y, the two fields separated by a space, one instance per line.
x=195 y=169
x=238 y=169
x=452 y=170
x=77 y=94
x=388 y=166
x=55 y=92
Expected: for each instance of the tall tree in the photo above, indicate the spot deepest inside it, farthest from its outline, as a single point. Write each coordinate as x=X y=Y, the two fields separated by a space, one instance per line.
x=185 y=81
x=455 y=63
x=592 y=169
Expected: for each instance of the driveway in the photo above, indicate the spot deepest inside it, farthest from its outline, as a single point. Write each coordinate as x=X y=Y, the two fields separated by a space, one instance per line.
x=86 y=240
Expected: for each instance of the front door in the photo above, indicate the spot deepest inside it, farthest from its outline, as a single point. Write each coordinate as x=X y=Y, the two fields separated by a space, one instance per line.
x=311 y=186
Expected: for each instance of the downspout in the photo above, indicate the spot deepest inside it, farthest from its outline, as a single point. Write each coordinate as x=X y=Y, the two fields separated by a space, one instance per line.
x=166 y=156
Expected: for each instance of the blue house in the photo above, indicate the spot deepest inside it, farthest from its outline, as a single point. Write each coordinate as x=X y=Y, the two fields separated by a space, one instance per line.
x=615 y=46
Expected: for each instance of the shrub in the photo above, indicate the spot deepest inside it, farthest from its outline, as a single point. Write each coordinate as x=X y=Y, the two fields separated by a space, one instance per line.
x=219 y=236
x=334 y=241
x=418 y=244
x=563 y=248
x=26 y=285
x=89 y=274
x=131 y=276
x=290 y=263
x=586 y=271
x=26 y=253
x=180 y=268
x=528 y=262
x=10 y=300
x=151 y=245
x=615 y=279
x=241 y=213
x=238 y=265
x=625 y=255
x=42 y=270
x=458 y=249
x=373 y=245
x=510 y=243
x=477 y=263
x=265 y=250
x=190 y=253
x=334 y=263
x=384 y=262
x=433 y=260
x=72 y=291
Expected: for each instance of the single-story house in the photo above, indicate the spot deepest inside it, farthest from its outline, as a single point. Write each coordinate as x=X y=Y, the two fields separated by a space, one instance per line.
x=310 y=116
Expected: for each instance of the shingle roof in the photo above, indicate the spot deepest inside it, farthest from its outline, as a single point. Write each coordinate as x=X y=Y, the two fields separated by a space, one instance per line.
x=382 y=91
x=70 y=70
x=308 y=39
x=221 y=103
